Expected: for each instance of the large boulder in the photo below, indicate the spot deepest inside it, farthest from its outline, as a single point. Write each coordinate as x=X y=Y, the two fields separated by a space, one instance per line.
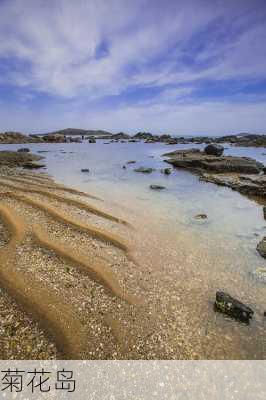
x=232 y=307
x=214 y=150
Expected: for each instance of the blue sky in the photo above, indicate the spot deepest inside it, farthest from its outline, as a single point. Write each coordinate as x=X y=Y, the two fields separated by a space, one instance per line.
x=180 y=67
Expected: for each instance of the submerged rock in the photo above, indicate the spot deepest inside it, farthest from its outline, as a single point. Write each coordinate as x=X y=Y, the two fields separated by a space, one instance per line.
x=214 y=150
x=201 y=216
x=166 y=171
x=157 y=187
x=232 y=307
x=261 y=247
x=144 y=170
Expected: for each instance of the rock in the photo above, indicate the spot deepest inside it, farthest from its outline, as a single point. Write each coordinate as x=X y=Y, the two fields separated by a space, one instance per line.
x=261 y=247
x=200 y=162
x=166 y=171
x=214 y=150
x=32 y=165
x=85 y=170
x=157 y=187
x=264 y=212
x=232 y=307
x=131 y=162
x=18 y=159
x=54 y=138
x=201 y=216
x=144 y=170
x=92 y=140
x=24 y=150
x=124 y=167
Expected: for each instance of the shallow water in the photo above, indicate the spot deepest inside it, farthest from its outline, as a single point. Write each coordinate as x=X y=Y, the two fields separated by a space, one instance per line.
x=199 y=256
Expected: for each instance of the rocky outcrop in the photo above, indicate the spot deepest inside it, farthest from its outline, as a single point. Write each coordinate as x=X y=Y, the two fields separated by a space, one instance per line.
x=242 y=174
x=200 y=161
x=19 y=159
x=251 y=185
x=121 y=135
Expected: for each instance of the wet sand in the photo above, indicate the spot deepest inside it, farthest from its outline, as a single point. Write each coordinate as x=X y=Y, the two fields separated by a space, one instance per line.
x=98 y=281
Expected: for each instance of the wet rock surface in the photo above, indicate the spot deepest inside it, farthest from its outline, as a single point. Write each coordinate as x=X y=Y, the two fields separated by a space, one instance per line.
x=214 y=150
x=19 y=159
x=144 y=170
x=200 y=161
x=261 y=247
x=242 y=174
x=157 y=187
x=232 y=307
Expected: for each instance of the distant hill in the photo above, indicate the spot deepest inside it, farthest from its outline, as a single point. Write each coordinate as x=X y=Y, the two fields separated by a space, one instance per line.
x=76 y=131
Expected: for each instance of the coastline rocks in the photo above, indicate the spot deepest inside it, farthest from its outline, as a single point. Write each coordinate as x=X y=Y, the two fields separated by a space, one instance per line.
x=121 y=135
x=250 y=185
x=157 y=187
x=19 y=159
x=143 y=135
x=54 y=138
x=261 y=247
x=232 y=307
x=214 y=150
x=200 y=161
x=144 y=170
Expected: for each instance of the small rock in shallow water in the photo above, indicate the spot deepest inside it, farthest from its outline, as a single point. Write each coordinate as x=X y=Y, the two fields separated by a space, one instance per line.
x=201 y=216
x=157 y=187
x=264 y=212
x=166 y=171
x=124 y=167
x=24 y=150
x=261 y=247
x=232 y=307
x=85 y=170
x=144 y=170
x=131 y=162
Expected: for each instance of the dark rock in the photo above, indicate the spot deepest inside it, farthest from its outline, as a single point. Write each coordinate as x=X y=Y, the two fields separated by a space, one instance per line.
x=214 y=150
x=232 y=307
x=24 y=150
x=124 y=167
x=261 y=247
x=144 y=170
x=85 y=170
x=32 y=165
x=157 y=187
x=166 y=171
x=201 y=216
x=131 y=162
x=92 y=140
x=264 y=212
